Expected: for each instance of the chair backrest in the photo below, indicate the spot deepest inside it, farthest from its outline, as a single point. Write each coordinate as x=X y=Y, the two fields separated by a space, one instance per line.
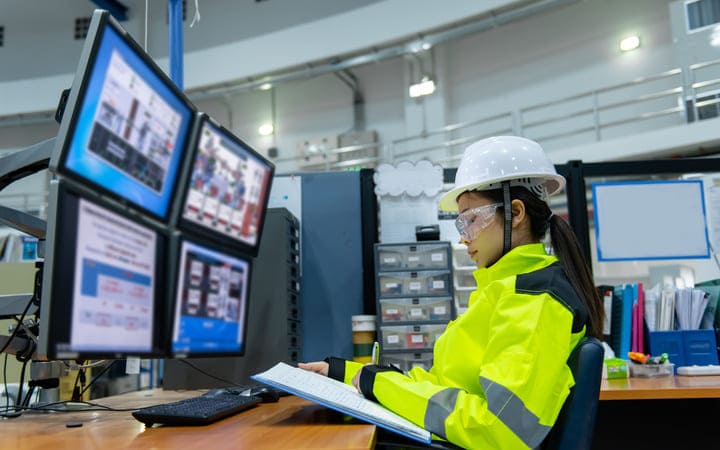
x=574 y=427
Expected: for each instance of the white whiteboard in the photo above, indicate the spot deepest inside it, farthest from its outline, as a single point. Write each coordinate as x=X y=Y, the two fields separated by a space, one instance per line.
x=650 y=220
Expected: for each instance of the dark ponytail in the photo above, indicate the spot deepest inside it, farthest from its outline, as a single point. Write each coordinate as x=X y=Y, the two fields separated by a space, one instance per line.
x=567 y=249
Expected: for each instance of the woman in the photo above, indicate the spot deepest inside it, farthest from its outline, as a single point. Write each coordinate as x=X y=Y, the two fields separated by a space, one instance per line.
x=499 y=376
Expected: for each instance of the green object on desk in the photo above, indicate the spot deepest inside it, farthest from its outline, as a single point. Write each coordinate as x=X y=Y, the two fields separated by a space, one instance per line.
x=615 y=368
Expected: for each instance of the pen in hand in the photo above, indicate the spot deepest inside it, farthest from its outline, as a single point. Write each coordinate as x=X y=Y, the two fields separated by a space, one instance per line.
x=376 y=353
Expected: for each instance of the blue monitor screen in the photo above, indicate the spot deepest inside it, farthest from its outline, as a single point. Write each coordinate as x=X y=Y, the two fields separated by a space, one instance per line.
x=210 y=302
x=129 y=126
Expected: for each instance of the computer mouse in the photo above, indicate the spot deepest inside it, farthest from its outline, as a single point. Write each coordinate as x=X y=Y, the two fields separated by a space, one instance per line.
x=266 y=394
x=215 y=392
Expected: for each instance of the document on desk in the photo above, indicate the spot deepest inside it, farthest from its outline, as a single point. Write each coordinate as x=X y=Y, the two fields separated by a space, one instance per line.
x=340 y=397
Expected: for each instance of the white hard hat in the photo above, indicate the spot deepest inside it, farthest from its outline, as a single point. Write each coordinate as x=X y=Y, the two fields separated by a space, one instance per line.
x=490 y=161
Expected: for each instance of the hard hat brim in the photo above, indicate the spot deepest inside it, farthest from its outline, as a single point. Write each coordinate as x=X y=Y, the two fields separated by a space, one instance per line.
x=553 y=184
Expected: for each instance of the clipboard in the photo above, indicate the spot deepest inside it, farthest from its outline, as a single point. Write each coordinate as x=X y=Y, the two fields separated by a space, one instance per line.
x=340 y=397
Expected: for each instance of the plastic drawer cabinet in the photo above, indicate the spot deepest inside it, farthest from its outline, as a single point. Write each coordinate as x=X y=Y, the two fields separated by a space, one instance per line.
x=415 y=300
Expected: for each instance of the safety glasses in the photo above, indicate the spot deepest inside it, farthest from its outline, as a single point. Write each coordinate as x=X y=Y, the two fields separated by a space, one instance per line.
x=471 y=222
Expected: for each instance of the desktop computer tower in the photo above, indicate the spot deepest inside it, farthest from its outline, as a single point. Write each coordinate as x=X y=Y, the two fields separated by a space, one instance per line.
x=274 y=327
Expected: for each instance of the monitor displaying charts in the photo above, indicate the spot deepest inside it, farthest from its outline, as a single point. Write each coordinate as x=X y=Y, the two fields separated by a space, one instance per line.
x=210 y=301
x=226 y=190
x=104 y=282
x=126 y=125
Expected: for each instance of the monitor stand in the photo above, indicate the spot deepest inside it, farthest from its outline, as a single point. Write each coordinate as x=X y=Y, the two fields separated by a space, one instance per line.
x=43 y=374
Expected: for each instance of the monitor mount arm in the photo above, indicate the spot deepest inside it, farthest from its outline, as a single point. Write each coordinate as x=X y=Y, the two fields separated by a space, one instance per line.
x=23 y=221
x=26 y=162
x=20 y=165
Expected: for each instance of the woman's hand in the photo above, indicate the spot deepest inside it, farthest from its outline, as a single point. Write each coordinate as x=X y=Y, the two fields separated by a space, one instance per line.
x=356 y=381
x=320 y=367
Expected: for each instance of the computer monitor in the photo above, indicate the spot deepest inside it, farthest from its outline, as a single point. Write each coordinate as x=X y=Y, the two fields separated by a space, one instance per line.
x=226 y=188
x=103 y=283
x=125 y=125
x=210 y=300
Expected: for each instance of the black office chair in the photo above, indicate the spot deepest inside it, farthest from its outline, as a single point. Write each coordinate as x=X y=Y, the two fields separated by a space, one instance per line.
x=574 y=427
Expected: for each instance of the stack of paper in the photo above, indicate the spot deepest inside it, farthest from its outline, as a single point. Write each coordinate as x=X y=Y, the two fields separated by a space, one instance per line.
x=690 y=306
x=652 y=298
x=666 y=313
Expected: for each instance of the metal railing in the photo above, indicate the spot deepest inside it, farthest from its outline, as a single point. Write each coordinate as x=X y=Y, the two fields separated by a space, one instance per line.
x=34 y=203
x=670 y=97
x=655 y=101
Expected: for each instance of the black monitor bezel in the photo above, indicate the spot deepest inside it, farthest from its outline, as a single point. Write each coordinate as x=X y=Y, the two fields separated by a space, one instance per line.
x=191 y=227
x=176 y=248
x=56 y=324
x=99 y=23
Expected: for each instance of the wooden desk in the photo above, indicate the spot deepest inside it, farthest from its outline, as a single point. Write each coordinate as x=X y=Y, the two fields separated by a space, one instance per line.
x=290 y=423
x=656 y=388
x=659 y=412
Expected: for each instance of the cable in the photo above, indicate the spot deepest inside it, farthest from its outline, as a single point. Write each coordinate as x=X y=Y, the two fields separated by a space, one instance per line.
x=28 y=396
x=102 y=372
x=75 y=396
x=196 y=17
x=231 y=383
x=19 y=398
x=72 y=366
x=20 y=322
x=91 y=407
x=7 y=394
x=146 y=26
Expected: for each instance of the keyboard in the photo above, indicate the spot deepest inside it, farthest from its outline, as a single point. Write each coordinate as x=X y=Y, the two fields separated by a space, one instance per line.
x=699 y=370
x=201 y=410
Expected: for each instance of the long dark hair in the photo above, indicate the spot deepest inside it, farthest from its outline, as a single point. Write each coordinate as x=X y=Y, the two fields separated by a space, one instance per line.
x=565 y=246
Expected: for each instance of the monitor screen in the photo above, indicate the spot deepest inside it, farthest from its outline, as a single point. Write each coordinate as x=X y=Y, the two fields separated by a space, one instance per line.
x=104 y=285
x=226 y=191
x=632 y=220
x=211 y=301
x=125 y=125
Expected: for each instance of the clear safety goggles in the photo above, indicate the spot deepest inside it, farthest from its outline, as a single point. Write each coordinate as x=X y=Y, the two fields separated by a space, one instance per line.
x=471 y=222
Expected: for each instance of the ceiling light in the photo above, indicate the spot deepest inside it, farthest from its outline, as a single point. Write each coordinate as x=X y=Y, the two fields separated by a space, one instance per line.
x=266 y=129
x=426 y=86
x=265 y=86
x=715 y=37
x=630 y=43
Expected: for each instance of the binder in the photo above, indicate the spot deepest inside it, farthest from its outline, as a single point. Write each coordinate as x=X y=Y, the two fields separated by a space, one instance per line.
x=641 y=318
x=621 y=324
x=606 y=294
x=340 y=397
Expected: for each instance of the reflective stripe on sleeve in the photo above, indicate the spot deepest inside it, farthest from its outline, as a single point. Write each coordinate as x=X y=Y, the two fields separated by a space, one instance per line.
x=439 y=408
x=511 y=410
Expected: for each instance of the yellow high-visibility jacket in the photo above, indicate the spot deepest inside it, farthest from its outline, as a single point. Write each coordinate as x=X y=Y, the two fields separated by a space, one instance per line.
x=499 y=376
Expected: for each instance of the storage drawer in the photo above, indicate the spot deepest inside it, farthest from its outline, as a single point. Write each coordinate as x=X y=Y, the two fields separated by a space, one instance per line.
x=415 y=309
x=462 y=296
x=412 y=256
x=410 y=336
x=406 y=361
x=461 y=258
x=464 y=278
x=411 y=284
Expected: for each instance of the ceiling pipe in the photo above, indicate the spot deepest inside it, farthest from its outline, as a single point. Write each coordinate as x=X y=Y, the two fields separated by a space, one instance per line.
x=349 y=78
x=411 y=45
